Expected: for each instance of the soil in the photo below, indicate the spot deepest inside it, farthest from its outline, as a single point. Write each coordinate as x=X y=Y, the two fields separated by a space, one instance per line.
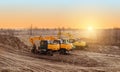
x=15 y=56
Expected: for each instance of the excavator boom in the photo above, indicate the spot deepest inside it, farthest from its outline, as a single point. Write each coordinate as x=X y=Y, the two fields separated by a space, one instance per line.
x=32 y=39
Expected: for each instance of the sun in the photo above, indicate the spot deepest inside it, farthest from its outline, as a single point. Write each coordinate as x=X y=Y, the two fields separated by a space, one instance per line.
x=90 y=28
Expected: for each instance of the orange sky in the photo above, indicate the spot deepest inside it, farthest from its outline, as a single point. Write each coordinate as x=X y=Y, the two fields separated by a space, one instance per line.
x=64 y=16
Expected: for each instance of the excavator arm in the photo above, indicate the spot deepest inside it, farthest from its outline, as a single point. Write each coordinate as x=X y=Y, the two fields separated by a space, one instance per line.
x=32 y=39
x=68 y=35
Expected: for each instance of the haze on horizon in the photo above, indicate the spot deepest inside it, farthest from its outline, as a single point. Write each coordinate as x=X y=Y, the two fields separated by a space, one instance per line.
x=59 y=13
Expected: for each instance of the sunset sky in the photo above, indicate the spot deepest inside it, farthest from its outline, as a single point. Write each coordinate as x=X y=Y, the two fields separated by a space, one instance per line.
x=59 y=13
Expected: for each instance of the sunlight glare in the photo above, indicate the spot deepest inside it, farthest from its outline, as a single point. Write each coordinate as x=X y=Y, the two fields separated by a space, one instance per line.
x=90 y=28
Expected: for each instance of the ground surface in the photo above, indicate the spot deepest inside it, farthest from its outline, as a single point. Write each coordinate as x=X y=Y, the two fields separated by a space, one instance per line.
x=15 y=56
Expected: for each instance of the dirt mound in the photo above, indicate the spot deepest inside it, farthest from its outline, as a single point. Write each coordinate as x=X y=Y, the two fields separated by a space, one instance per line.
x=12 y=41
x=106 y=49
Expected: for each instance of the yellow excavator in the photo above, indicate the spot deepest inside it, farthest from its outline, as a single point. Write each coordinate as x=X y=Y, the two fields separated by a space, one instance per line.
x=77 y=43
x=47 y=46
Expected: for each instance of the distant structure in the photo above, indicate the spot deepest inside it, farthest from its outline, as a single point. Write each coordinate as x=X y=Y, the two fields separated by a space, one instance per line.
x=31 y=30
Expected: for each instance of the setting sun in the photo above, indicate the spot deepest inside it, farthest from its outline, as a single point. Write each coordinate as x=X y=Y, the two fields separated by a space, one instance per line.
x=90 y=28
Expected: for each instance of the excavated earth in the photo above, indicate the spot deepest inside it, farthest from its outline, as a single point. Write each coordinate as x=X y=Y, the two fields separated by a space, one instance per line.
x=15 y=56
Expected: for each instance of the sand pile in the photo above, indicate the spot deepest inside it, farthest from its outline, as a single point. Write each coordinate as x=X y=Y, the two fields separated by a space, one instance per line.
x=12 y=41
x=106 y=49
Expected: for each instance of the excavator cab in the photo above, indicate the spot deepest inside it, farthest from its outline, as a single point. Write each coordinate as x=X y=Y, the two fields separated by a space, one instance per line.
x=43 y=45
x=65 y=41
x=48 y=47
x=65 y=46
